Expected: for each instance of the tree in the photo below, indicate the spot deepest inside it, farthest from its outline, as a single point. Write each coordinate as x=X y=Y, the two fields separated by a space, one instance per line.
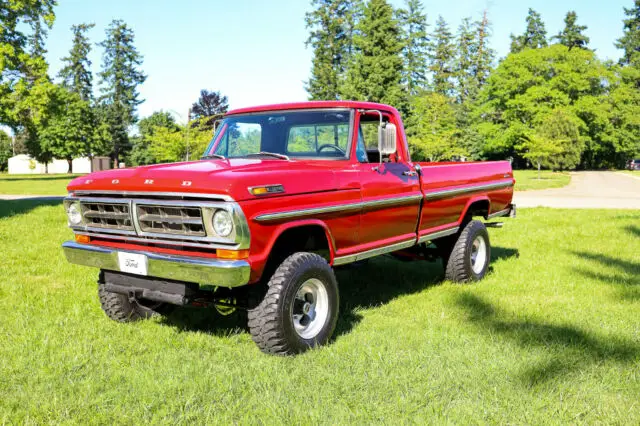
x=528 y=86
x=572 y=34
x=630 y=40
x=484 y=55
x=415 y=40
x=69 y=132
x=441 y=55
x=534 y=37
x=466 y=83
x=76 y=72
x=210 y=107
x=5 y=150
x=331 y=25
x=375 y=73
x=120 y=78
x=555 y=143
x=434 y=130
x=21 y=53
x=141 y=153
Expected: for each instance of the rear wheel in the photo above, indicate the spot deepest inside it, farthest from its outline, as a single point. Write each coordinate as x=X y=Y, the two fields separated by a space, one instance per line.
x=300 y=308
x=470 y=255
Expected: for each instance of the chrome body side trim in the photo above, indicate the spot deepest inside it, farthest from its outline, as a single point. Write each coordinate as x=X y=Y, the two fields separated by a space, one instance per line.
x=436 y=235
x=500 y=213
x=225 y=273
x=178 y=195
x=435 y=195
x=342 y=260
x=337 y=208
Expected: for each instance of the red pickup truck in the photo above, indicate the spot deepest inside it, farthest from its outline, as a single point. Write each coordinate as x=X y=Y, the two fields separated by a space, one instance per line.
x=283 y=194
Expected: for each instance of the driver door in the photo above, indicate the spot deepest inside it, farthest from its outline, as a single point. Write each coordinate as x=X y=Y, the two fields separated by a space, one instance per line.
x=390 y=192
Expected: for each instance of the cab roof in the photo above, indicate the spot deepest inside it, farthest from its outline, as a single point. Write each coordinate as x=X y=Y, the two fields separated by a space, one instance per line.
x=314 y=105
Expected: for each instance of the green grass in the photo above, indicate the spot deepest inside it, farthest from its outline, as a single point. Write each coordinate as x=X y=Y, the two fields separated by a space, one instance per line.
x=551 y=335
x=632 y=172
x=35 y=184
x=528 y=179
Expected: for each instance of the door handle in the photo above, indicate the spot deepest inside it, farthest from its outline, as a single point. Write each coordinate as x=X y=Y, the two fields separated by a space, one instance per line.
x=410 y=173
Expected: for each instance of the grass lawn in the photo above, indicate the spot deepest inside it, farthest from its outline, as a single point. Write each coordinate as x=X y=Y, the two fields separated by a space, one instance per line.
x=551 y=335
x=35 y=184
x=528 y=179
x=632 y=172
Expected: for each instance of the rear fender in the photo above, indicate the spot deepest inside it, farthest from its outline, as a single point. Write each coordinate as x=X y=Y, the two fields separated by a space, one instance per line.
x=473 y=200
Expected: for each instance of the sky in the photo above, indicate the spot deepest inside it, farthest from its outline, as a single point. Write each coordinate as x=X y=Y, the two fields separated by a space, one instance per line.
x=253 y=51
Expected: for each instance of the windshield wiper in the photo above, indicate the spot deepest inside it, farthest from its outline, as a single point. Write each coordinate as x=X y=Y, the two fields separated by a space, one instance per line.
x=272 y=154
x=209 y=156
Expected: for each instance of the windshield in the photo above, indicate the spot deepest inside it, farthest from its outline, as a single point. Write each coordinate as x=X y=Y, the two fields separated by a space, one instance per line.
x=319 y=134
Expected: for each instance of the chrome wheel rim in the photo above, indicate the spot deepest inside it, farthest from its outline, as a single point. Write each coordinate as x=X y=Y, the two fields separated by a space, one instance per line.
x=310 y=308
x=478 y=254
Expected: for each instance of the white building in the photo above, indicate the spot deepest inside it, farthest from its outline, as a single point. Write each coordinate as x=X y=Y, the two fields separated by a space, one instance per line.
x=25 y=165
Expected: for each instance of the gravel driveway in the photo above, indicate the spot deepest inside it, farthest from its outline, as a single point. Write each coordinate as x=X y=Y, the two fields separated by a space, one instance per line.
x=587 y=190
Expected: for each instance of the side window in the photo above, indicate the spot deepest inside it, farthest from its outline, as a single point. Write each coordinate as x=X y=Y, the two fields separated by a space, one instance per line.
x=370 y=133
x=307 y=139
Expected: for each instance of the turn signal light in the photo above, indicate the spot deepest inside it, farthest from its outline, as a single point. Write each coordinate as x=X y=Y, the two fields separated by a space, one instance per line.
x=83 y=239
x=266 y=189
x=232 y=254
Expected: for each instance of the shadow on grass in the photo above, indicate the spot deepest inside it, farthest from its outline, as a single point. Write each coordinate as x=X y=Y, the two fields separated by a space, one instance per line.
x=609 y=270
x=634 y=230
x=10 y=208
x=365 y=285
x=569 y=348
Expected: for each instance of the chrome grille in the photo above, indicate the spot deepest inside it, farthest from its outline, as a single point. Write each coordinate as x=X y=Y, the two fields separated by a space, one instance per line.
x=166 y=219
x=107 y=215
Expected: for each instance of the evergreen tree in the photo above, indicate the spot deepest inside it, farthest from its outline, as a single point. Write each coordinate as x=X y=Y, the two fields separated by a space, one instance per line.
x=630 y=40
x=572 y=34
x=466 y=46
x=484 y=55
x=414 y=24
x=210 y=107
x=120 y=77
x=376 y=71
x=331 y=24
x=442 y=56
x=76 y=72
x=534 y=37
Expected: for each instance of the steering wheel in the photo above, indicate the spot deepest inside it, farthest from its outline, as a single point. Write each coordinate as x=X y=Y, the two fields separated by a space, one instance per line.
x=335 y=147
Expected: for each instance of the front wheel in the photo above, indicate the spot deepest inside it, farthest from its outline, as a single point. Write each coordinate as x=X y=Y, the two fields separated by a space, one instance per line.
x=470 y=255
x=300 y=308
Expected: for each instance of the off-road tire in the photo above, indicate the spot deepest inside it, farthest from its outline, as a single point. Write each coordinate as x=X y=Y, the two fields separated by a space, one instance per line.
x=459 y=265
x=271 y=323
x=119 y=308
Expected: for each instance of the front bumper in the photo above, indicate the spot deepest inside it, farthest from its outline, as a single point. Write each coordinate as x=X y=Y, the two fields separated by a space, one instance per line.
x=223 y=273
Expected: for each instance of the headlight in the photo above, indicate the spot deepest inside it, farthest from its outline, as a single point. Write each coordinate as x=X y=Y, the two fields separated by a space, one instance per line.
x=222 y=223
x=74 y=214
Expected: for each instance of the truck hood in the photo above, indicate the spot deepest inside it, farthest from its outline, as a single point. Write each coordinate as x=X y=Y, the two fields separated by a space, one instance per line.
x=231 y=177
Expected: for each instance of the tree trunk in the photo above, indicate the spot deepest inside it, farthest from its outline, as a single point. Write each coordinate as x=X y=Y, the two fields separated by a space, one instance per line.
x=70 y=162
x=538 y=170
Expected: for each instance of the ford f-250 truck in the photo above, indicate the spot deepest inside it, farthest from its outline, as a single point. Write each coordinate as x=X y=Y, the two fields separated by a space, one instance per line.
x=283 y=194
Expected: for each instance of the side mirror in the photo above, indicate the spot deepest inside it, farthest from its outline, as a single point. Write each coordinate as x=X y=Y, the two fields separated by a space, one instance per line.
x=386 y=139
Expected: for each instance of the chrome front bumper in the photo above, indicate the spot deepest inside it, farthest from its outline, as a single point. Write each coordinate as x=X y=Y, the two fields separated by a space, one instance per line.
x=223 y=273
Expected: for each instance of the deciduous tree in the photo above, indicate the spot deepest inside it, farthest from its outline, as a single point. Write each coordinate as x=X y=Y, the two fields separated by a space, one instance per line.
x=210 y=107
